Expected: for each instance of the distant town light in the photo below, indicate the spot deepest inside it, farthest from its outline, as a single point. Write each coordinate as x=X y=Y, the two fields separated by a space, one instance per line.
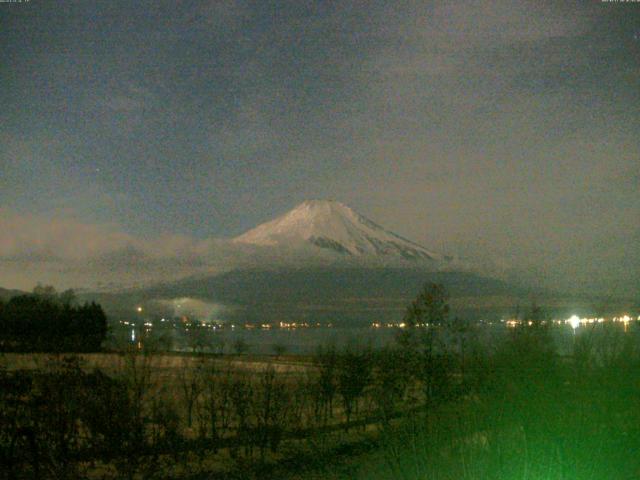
x=574 y=321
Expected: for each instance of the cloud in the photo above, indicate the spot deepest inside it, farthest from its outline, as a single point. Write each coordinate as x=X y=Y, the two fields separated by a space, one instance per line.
x=196 y=308
x=81 y=254
x=70 y=253
x=58 y=237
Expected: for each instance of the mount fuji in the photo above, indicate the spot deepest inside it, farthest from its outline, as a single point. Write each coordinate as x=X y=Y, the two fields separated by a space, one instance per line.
x=334 y=227
x=321 y=261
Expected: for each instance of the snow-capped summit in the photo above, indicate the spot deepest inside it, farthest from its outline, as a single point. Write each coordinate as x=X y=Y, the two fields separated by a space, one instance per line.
x=331 y=225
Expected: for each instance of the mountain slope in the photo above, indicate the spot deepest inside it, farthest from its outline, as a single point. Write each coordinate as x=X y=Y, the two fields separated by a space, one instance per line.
x=346 y=296
x=326 y=285
x=334 y=227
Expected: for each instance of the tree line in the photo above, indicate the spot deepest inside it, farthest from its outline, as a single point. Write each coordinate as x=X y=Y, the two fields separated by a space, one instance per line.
x=48 y=321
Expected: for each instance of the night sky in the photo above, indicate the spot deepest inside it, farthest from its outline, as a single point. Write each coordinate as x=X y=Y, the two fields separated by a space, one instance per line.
x=133 y=131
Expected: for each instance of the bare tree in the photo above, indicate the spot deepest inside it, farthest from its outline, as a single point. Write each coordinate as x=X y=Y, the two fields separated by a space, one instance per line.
x=165 y=431
x=391 y=379
x=190 y=382
x=198 y=337
x=325 y=362
x=270 y=410
x=240 y=346
x=301 y=388
x=242 y=393
x=279 y=349
x=354 y=372
x=424 y=321
x=136 y=374
x=215 y=407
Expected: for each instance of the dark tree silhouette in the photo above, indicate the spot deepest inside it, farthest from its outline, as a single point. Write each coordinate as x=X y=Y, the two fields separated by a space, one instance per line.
x=45 y=321
x=424 y=321
x=354 y=373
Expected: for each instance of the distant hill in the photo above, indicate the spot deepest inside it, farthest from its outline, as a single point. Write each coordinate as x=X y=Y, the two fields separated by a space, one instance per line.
x=6 y=294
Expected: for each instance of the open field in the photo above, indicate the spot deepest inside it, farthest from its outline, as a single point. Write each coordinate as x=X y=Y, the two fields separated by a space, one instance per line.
x=164 y=361
x=129 y=412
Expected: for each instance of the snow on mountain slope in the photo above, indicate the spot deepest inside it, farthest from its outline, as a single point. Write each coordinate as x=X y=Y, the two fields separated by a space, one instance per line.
x=333 y=226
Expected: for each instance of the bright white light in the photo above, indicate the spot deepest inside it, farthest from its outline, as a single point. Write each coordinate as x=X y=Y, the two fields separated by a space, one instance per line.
x=574 y=321
x=133 y=335
x=139 y=309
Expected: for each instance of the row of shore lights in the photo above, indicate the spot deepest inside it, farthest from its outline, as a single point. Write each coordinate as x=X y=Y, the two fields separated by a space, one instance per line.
x=576 y=321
